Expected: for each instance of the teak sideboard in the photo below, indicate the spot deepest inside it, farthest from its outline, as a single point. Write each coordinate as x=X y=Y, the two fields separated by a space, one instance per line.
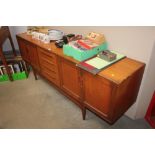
x=108 y=94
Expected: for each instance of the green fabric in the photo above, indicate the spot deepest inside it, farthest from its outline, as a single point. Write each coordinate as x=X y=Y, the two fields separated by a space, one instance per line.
x=100 y=63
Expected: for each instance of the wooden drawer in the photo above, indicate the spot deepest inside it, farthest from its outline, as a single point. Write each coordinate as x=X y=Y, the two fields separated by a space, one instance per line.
x=51 y=76
x=50 y=65
x=49 y=57
x=49 y=71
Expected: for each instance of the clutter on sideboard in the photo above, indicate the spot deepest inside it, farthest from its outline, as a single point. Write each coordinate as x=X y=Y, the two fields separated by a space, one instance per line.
x=92 y=52
x=44 y=34
x=84 y=48
x=81 y=47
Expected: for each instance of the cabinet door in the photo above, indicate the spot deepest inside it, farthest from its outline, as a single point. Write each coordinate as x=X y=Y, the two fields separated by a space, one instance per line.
x=23 y=49
x=33 y=55
x=70 y=79
x=97 y=93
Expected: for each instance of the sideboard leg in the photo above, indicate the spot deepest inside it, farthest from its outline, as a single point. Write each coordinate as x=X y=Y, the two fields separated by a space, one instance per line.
x=84 y=113
x=35 y=74
x=27 y=68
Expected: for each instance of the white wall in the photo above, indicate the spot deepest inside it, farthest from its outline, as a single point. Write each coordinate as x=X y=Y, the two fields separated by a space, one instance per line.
x=134 y=42
x=148 y=86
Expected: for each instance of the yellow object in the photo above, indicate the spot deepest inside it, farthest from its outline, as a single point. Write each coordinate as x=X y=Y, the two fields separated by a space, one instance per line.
x=97 y=38
x=40 y=29
x=43 y=30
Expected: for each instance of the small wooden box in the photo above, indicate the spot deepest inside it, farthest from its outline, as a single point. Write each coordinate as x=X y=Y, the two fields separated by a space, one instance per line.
x=107 y=55
x=96 y=38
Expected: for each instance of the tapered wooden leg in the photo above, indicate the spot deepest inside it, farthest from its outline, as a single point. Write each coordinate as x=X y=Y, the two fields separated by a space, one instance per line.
x=35 y=74
x=84 y=113
x=27 y=70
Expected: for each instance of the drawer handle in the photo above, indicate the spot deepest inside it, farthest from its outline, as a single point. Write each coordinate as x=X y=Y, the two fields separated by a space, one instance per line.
x=50 y=76
x=50 y=70
x=48 y=61
x=50 y=56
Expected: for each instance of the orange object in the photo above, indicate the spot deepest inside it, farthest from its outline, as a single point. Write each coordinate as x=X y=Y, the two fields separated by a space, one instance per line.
x=84 y=44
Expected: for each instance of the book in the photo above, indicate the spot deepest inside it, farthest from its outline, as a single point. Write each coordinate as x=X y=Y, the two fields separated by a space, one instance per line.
x=21 y=66
x=24 y=66
x=4 y=69
x=1 y=73
x=16 y=68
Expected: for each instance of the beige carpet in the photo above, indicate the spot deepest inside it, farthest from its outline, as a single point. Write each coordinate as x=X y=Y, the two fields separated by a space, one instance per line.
x=36 y=104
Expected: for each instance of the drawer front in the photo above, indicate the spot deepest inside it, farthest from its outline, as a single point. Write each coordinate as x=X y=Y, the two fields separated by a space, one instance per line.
x=51 y=58
x=48 y=65
x=52 y=73
x=51 y=77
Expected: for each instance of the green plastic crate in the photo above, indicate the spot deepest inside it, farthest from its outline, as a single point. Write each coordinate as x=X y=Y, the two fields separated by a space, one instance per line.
x=4 y=78
x=19 y=76
x=15 y=76
x=83 y=55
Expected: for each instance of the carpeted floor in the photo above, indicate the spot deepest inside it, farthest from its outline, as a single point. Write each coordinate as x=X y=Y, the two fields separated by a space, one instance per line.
x=34 y=104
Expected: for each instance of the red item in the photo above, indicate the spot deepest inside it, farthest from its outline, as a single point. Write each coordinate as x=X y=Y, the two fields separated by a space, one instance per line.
x=150 y=114
x=84 y=44
x=87 y=65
